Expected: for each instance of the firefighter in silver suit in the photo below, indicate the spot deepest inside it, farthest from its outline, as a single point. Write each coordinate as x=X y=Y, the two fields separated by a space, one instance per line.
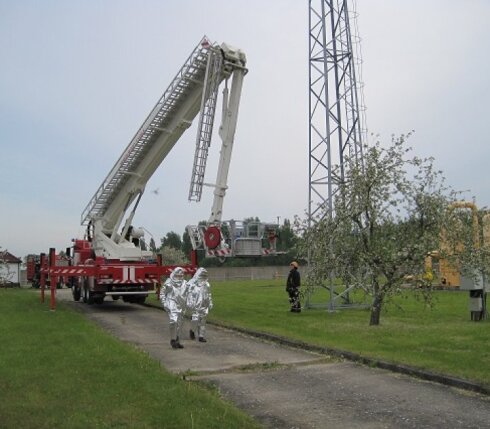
x=173 y=297
x=199 y=302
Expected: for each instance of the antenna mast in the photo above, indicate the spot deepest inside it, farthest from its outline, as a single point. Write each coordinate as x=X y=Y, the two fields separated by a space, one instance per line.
x=335 y=98
x=336 y=113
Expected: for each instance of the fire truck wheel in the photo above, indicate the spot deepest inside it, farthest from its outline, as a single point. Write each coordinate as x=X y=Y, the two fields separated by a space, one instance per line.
x=99 y=299
x=88 y=298
x=212 y=237
x=76 y=292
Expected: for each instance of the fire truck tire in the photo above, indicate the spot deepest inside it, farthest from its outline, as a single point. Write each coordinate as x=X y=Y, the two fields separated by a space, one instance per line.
x=88 y=297
x=212 y=237
x=99 y=299
x=76 y=292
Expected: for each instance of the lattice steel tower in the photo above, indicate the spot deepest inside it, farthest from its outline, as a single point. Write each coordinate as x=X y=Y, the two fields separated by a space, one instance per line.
x=335 y=99
x=335 y=111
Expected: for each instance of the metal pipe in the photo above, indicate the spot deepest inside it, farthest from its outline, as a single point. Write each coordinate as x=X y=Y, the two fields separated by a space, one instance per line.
x=52 y=278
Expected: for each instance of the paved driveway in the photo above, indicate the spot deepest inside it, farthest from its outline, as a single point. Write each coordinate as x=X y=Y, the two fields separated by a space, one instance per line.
x=284 y=387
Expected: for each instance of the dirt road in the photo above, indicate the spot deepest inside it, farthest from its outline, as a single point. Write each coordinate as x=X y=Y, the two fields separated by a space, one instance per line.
x=284 y=387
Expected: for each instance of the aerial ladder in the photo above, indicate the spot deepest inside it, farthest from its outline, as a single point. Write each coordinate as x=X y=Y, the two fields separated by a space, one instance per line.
x=113 y=258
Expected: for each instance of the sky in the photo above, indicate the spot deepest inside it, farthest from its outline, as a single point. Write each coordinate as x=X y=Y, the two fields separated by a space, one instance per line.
x=77 y=79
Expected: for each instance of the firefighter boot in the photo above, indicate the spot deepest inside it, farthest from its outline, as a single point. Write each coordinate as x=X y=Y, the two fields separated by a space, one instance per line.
x=194 y=329
x=202 y=331
x=179 y=346
x=174 y=341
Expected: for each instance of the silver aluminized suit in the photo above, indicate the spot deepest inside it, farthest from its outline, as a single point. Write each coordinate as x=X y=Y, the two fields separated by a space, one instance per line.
x=173 y=297
x=199 y=302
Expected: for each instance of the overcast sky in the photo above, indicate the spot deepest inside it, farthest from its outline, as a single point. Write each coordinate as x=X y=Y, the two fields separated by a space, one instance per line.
x=77 y=79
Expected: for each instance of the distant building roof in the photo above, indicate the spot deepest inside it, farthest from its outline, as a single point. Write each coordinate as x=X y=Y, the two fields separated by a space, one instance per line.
x=8 y=257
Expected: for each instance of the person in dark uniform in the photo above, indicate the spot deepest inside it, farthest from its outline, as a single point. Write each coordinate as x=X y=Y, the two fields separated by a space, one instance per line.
x=292 y=287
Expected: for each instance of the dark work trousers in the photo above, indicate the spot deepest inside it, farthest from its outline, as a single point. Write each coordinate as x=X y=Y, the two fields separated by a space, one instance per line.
x=294 y=300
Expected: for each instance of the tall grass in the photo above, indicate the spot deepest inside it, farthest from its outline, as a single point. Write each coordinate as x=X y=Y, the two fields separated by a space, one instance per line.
x=58 y=370
x=440 y=339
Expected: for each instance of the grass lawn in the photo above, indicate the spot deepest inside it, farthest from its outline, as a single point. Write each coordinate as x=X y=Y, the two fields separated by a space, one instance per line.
x=441 y=339
x=58 y=370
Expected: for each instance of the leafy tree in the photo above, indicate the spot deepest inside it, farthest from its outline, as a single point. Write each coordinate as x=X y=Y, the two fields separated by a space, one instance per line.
x=172 y=239
x=287 y=239
x=5 y=272
x=186 y=243
x=387 y=216
x=172 y=256
x=251 y=219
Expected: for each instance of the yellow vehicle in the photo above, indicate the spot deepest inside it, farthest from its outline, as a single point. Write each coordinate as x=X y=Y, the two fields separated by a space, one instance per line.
x=449 y=273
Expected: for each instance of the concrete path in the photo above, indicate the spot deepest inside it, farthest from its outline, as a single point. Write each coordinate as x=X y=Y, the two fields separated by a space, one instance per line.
x=289 y=388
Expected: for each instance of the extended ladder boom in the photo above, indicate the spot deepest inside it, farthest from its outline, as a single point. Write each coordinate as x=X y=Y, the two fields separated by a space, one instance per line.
x=193 y=89
x=166 y=122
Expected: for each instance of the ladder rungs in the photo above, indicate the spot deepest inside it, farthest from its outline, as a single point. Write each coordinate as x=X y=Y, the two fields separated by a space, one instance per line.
x=191 y=73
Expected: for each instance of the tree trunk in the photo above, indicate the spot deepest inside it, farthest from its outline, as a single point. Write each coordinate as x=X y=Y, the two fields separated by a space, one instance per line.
x=376 y=310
